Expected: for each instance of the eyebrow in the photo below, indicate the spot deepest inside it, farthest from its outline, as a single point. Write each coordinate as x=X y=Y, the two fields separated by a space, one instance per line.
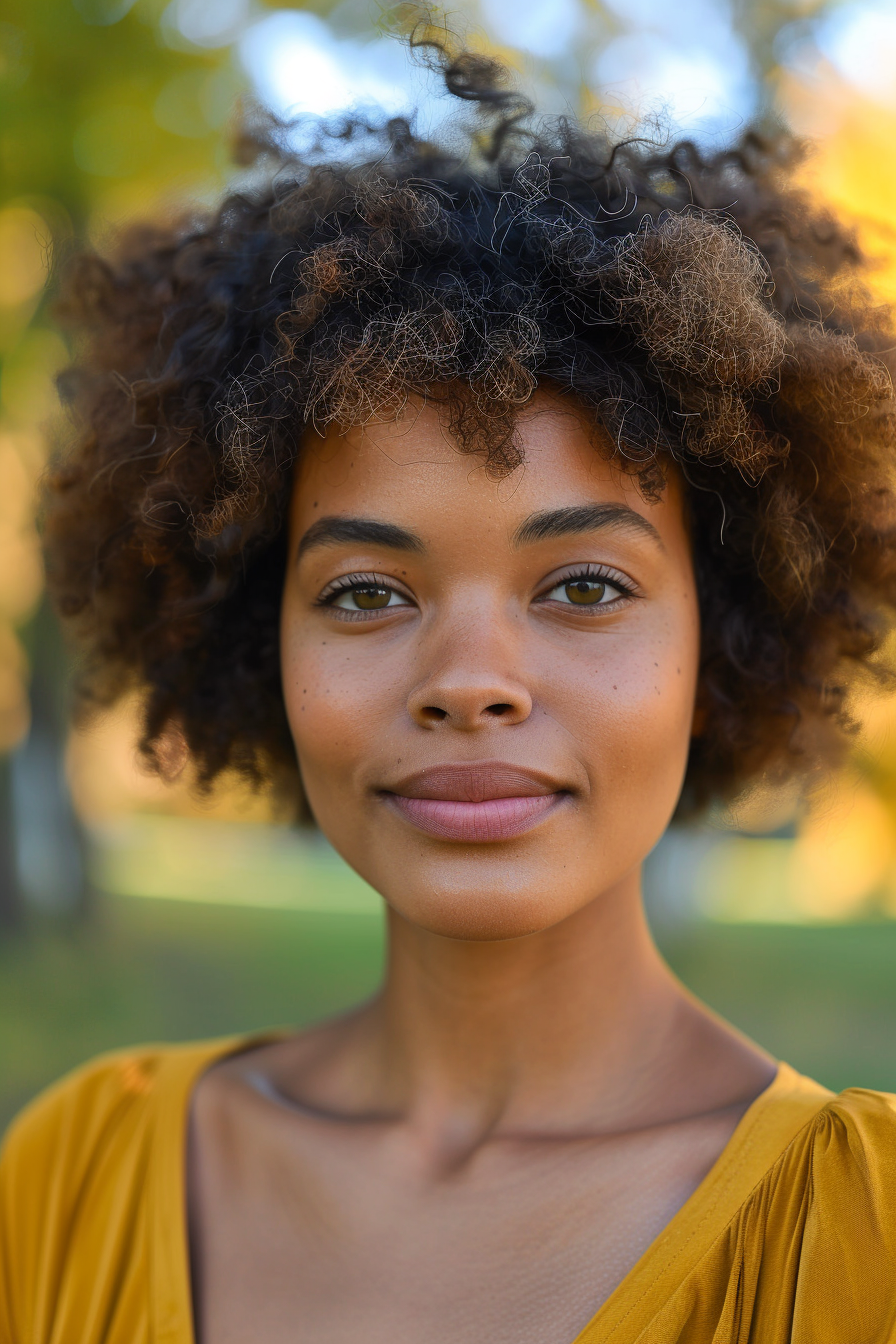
x=337 y=530
x=577 y=518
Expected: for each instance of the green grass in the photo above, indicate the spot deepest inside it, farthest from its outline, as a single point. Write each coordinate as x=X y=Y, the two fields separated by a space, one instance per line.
x=167 y=971
x=824 y=998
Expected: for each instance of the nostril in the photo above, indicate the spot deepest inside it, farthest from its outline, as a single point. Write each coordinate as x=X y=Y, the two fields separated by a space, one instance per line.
x=498 y=710
x=434 y=713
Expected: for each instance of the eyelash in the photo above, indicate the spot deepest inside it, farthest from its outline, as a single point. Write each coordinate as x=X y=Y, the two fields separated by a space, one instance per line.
x=596 y=573
x=345 y=584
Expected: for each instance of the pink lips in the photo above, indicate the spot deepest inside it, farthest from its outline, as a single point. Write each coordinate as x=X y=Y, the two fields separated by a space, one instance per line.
x=487 y=801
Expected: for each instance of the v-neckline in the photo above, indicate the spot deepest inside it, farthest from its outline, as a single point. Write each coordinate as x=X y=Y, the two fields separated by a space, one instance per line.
x=768 y=1125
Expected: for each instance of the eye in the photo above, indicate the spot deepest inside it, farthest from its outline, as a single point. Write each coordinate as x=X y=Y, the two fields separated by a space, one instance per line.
x=369 y=598
x=587 y=590
x=363 y=595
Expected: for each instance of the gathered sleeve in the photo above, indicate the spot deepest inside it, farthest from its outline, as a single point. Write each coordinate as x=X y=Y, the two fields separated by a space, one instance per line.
x=810 y=1257
x=72 y=1230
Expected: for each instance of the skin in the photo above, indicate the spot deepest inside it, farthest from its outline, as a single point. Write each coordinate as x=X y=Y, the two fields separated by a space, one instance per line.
x=481 y=1154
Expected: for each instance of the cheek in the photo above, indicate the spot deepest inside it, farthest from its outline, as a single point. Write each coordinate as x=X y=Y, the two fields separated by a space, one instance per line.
x=335 y=706
x=633 y=705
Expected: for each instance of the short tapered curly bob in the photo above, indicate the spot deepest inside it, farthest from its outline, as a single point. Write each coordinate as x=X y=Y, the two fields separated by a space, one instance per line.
x=703 y=310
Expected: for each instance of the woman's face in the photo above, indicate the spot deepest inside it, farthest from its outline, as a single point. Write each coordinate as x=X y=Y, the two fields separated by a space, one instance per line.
x=490 y=684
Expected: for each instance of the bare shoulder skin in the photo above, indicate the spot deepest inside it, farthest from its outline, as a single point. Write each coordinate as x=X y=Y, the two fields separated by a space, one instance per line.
x=491 y=687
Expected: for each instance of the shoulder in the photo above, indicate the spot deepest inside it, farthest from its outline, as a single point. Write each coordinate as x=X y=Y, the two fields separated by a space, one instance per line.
x=853 y=1154
x=75 y=1169
x=57 y=1138
x=60 y=1134
x=836 y=1201
x=844 y=1156
x=857 y=1131
x=109 y=1097
x=825 y=1204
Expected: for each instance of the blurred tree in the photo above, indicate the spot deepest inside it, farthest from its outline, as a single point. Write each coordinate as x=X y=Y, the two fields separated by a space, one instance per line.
x=105 y=113
x=761 y=24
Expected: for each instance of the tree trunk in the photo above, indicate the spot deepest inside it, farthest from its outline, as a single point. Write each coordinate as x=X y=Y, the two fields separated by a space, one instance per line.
x=50 y=845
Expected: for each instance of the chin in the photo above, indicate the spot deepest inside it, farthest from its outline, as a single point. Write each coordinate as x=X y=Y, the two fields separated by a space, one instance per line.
x=475 y=920
x=482 y=910
x=484 y=893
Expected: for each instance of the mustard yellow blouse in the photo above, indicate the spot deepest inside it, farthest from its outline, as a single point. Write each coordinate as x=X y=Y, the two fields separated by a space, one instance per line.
x=790 y=1239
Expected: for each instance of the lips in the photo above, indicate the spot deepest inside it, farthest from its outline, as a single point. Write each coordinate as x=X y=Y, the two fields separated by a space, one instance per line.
x=476 y=803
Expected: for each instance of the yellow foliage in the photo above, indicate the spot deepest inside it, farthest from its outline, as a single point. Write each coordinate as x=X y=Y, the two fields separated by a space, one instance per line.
x=24 y=254
x=14 y=711
x=842 y=854
x=842 y=863
x=851 y=164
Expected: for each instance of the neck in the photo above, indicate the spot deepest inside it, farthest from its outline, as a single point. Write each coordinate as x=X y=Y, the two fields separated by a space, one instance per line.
x=568 y=1027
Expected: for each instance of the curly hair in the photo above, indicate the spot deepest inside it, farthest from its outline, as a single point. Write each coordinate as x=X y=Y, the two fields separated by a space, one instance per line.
x=702 y=308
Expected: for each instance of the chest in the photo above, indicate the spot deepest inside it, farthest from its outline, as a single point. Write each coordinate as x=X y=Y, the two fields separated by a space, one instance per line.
x=339 y=1238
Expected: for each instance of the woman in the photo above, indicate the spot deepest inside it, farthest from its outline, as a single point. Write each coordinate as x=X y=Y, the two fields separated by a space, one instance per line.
x=495 y=504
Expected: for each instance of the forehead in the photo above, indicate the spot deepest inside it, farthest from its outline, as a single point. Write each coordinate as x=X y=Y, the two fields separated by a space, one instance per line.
x=410 y=470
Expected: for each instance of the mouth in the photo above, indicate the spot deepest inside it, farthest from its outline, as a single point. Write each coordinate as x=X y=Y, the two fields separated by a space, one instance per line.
x=478 y=803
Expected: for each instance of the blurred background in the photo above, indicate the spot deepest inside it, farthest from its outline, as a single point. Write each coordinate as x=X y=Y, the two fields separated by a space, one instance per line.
x=129 y=910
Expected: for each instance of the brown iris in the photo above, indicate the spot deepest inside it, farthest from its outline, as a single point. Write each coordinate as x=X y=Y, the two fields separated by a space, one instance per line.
x=585 y=592
x=370 y=599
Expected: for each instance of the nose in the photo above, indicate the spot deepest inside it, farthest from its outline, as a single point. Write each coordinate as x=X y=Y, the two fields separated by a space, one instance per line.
x=472 y=684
